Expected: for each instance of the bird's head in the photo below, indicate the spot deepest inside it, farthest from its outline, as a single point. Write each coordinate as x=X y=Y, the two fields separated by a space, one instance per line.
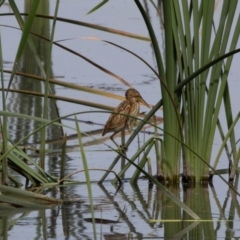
x=133 y=95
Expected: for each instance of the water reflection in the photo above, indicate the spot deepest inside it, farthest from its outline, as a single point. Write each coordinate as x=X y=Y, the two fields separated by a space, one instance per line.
x=198 y=199
x=29 y=104
x=128 y=214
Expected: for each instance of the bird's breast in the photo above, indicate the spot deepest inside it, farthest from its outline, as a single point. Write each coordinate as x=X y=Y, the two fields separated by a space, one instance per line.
x=134 y=109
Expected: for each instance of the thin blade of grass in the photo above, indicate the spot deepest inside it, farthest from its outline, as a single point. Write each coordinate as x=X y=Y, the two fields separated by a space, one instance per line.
x=63 y=160
x=4 y=123
x=89 y=25
x=98 y=6
x=87 y=176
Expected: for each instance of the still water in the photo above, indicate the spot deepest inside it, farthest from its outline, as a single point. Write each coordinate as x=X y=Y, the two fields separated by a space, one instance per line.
x=128 y=212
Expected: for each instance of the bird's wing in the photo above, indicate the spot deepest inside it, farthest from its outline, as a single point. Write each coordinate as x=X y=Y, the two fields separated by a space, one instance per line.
x=117 y=120
x=123 y=108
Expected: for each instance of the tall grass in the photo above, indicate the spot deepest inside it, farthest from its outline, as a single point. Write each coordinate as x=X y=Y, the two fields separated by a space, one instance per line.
x=199 y=102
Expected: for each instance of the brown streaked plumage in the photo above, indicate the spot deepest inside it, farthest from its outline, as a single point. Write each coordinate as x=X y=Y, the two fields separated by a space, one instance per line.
x=117 y=122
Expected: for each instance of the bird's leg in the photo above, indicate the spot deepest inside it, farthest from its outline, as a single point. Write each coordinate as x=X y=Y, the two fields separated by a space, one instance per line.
x=111 y=137
x=123 y=160
x=121 y=148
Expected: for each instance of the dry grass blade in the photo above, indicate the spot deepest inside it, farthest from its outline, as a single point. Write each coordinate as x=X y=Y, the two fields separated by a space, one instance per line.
x=88 y=25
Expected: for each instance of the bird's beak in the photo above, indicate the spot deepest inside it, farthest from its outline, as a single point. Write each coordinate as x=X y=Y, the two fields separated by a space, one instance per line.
x=143 y=102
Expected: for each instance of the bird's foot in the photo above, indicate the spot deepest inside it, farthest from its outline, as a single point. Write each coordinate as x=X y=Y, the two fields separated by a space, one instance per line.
x=122 y=149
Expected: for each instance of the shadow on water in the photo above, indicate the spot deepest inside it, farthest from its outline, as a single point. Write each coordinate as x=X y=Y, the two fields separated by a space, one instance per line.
x=133 y=212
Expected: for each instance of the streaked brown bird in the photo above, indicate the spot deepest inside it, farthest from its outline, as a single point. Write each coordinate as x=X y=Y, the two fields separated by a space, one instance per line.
x=117 y=122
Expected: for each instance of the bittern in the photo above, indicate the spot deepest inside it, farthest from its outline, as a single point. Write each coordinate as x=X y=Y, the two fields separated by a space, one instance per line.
x=130 y=107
